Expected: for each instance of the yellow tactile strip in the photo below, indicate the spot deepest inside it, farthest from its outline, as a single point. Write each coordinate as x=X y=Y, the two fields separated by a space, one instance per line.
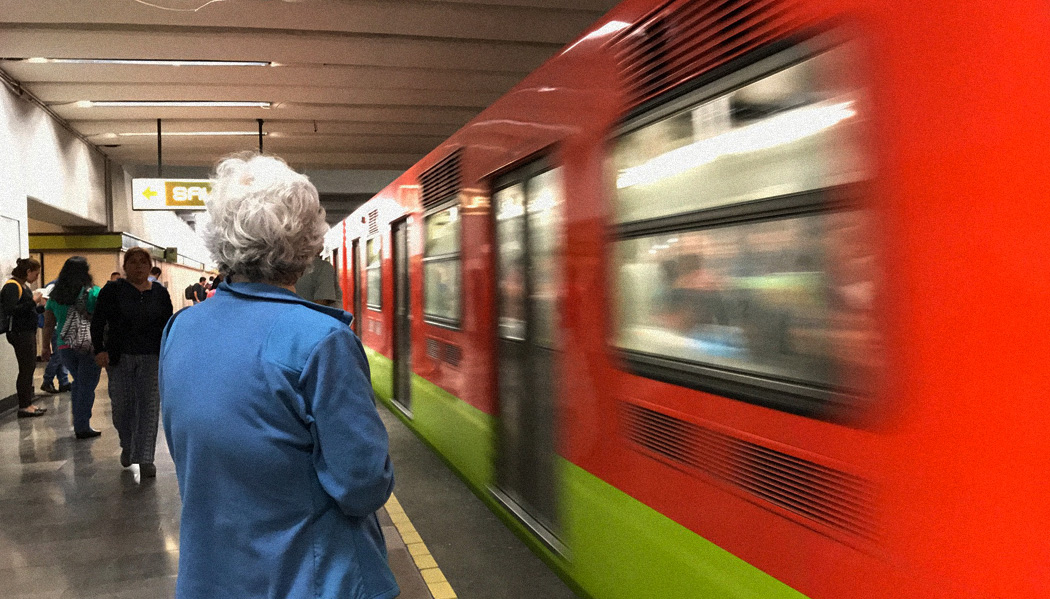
x=439 y=587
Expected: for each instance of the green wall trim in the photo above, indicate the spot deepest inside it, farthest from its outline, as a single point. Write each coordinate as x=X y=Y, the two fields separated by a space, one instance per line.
x=106 y=241
x=619 y=547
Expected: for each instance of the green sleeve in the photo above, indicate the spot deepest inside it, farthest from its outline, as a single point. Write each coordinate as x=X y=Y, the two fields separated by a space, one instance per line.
x=92 y=298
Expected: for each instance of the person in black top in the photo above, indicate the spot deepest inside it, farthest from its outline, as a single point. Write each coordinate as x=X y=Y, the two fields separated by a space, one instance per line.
x=20 y=308
x=125 y=331
x=199 y=292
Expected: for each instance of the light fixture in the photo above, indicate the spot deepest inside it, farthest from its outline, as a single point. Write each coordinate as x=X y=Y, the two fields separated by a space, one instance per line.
x=152 y=62
x=169 y=104
x=186 y=133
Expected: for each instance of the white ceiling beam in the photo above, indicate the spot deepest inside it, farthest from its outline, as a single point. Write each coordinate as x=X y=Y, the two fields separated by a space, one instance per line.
x=336 y=76
x=58 y=93
x=556 y=24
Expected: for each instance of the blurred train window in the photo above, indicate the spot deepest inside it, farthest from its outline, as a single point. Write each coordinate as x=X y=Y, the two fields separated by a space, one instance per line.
x=737 y=268
x=544 y=209
x=373 y=269
x=529 y=233
x=441 y=267
x=789 y=132
x=510 y=229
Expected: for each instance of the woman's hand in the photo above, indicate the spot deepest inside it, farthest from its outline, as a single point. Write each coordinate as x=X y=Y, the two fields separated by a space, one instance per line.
x=102 y=359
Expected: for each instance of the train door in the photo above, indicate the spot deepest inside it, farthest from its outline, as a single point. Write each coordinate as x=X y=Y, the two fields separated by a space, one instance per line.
x=402 y=318
x=528 y=227
x=355 y=272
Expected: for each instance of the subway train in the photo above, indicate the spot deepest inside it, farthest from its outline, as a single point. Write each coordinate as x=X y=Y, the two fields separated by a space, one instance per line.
x=740 y=299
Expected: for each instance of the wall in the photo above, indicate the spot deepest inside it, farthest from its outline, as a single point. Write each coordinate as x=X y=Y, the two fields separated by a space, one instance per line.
x=41 y=159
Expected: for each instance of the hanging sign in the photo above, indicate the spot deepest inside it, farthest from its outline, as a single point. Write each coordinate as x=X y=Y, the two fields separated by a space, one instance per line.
x=169 y=194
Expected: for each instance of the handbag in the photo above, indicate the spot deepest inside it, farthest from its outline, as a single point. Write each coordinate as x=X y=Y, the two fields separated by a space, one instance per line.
x=76 y=332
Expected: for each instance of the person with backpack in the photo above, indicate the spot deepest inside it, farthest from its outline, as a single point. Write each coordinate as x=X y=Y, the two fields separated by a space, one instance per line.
x=68 y=311
x=18 y=319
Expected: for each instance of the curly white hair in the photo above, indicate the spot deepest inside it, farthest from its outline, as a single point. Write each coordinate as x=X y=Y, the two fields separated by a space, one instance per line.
x=267 y=223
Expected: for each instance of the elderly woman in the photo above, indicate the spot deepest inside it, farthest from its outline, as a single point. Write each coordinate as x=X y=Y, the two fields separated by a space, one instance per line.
x=283 y=463
x=125 y=331
x=19 y=308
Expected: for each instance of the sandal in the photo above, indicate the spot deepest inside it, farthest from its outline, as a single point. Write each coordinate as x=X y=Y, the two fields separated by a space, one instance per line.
x=22 y=413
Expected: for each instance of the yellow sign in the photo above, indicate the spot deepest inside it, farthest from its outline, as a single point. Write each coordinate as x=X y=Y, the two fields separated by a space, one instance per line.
x=169 y=194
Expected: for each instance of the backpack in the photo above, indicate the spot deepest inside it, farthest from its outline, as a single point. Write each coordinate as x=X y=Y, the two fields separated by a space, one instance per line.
x=189 y=292
x=5 y=318
x=76 y=332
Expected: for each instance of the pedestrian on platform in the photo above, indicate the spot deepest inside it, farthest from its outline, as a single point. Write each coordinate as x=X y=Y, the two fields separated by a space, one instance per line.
x=318 y=284
x=154 y=275
x=20 y=323
x=129 y=319
x=200 y=291
x=55 y=371
x=282 y=467
x=74 y=298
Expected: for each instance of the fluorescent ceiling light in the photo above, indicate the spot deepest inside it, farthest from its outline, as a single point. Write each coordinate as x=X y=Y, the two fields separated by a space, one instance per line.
x=169 y=103
x=188 y=133
x=151 y=62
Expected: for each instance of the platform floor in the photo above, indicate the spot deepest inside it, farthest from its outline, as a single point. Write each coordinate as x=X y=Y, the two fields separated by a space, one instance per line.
x=77 y=525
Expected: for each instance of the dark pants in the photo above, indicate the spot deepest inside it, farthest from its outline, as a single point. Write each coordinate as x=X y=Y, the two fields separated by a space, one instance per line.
x=136 y=404
x=85 y=378
x=24 y=343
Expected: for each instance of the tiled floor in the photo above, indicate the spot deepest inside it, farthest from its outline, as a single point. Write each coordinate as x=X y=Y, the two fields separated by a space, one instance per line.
x=74 y=524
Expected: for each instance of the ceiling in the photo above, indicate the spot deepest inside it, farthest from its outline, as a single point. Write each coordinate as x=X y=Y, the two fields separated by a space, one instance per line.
x=368 y=85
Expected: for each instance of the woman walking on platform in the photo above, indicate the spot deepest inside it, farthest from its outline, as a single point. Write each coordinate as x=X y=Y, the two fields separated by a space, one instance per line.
x=283 y=464
x=125 y=330
x=74 y=296
x=20 y=311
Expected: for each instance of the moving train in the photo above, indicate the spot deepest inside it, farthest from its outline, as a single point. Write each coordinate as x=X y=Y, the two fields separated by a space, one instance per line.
x=740 y=299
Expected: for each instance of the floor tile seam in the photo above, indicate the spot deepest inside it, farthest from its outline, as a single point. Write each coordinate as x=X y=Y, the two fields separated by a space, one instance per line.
x=434 y=578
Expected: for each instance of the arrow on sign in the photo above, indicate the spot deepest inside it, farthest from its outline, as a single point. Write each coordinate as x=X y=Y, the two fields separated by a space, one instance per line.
x=149 y=193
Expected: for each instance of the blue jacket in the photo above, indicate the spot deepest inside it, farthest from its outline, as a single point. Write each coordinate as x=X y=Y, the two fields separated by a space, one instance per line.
x=280 y=454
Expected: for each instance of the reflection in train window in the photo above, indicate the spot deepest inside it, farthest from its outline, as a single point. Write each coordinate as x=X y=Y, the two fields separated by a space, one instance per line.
x=742 y=265
x=373 y=266
x=788 y=298
x=510 y=230
x=441 y=267
x=789 y=132
x=544 y=210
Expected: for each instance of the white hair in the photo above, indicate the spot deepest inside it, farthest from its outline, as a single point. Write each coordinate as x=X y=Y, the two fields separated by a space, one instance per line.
x=267 y=223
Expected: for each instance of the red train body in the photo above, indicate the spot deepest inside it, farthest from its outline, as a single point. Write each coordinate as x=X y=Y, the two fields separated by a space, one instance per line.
x=931 y=482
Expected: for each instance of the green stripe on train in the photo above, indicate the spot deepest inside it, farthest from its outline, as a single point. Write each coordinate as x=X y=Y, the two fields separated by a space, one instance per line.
x=619 y=547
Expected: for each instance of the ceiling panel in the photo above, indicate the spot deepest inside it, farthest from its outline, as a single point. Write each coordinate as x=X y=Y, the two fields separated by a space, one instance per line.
x=356 y=84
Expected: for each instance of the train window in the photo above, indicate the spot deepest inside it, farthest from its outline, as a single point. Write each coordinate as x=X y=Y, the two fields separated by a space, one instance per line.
x=788 y=132
x=510 y=229
x=739 y=267
x=544 y=213
x=441 y=266
x=374 y=273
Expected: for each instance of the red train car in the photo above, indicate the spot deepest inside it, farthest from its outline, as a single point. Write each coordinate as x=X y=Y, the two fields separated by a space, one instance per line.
x=740 y=299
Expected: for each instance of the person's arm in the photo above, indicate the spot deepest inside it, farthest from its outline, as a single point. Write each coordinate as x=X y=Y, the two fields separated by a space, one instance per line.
x=105 y=304
x=49 y=333
x=350 y=441
x=166 y=307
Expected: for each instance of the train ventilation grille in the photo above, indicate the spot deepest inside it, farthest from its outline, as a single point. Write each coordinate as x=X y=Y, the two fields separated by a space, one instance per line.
x=441 y=180
x=373 y=222
x=685 y=39
x=808 y=490
x=444 y=352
